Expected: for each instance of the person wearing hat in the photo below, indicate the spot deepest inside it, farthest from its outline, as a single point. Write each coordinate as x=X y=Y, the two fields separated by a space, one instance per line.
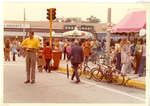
x=76 y=57
x=31 y=45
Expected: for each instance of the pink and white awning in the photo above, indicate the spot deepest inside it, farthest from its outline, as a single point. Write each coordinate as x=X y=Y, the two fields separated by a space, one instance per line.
x=132 y=22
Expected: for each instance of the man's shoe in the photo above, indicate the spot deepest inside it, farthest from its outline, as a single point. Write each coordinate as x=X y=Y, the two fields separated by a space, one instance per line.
x=77 y=81
x=27 y=82
x=32 y=82
x=71 y=78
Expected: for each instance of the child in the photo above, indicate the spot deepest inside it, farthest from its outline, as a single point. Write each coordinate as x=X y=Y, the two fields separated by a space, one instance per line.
x=47 y=57
x=40 y=59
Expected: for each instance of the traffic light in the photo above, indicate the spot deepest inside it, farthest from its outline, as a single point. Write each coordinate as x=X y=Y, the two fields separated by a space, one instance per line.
x=48 y=14
x=53 y=13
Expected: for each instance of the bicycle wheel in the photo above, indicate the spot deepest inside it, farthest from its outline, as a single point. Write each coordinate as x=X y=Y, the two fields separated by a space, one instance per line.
x=88 y=73
x=118 y=77
x=80 y=71
x=108 y=76
x=97 y=75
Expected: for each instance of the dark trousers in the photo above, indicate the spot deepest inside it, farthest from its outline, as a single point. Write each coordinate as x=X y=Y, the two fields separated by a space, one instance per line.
x=86 y=59
x=142 y=62
x=68 y=55
x=47 y=65
x=138 y=58
x=14 y=56
x=65 y=53
x=118 y=61
x=75 y=72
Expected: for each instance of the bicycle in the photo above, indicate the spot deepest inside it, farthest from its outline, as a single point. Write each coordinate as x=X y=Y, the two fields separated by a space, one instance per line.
x=117 y=76
x=101 y=72
x=84 y=70
x=110 y=74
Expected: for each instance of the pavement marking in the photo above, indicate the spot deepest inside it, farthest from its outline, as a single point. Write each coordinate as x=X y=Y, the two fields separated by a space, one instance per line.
x=116 y=91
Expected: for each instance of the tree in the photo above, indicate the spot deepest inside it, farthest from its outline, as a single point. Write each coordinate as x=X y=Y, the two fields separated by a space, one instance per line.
x=93 y=19
x=68 y=20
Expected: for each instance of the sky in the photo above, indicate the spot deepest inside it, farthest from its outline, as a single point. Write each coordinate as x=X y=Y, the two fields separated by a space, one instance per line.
x=36 y=11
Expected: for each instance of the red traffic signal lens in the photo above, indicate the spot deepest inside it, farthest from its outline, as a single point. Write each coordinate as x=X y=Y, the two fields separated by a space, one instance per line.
x=53 y=9
x=48 y=10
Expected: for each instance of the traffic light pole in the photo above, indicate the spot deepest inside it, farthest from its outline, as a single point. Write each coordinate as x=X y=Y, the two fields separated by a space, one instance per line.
x=51 y=22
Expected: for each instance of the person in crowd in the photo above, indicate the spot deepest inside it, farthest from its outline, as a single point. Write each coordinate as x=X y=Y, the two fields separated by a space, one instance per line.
x=112 y=43
x=99 y=48
x=14 y=50
x=138 y=53
x=125 y=50
x=112 y=56
x=103 y=44
x=7 y=50
x=94 y=45
x=64 y=50
x=132 y=51
x=118 y=55
x=132 y=48
x=48 y=56
x=56 y=45
x=68 y=50
x=31 y=45
x=86 y=48
x=44 y=45
x=40 y=59
x=76 y=57
x=19 y=48
x=61 y=45
x=129 y=59
x=143 y=59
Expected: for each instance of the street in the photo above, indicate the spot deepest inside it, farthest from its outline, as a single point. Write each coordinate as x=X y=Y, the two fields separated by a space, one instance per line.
x=54 y=87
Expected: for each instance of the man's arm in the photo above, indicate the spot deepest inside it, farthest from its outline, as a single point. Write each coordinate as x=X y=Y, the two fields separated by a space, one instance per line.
x=24 y=43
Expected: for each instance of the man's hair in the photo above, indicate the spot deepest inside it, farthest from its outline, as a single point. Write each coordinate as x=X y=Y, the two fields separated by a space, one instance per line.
x=31 y=32
x=47 y=43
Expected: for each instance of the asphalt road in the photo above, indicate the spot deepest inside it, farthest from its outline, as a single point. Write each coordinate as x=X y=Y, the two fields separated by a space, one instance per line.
x=54 y=87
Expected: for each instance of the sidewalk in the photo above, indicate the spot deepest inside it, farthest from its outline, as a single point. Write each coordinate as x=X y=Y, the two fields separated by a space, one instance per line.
x=133 y=80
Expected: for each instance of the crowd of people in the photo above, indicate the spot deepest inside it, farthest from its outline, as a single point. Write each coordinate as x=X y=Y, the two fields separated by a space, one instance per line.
x=128 y=56
x=12 y=48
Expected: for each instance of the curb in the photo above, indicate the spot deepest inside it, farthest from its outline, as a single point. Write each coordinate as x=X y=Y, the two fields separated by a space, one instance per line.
x=130 y=83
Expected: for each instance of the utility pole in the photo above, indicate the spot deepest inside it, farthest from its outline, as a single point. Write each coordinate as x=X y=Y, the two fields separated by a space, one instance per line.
x=108 y=36
x=24 y=24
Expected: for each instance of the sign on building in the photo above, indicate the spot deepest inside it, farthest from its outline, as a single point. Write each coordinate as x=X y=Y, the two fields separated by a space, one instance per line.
x=16 y=25
x=6 y=33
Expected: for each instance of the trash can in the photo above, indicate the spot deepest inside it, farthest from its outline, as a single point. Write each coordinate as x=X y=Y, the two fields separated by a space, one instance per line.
x=56 y=58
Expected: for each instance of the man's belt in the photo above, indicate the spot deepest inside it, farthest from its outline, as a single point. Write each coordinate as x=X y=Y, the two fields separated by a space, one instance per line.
x=31 y=50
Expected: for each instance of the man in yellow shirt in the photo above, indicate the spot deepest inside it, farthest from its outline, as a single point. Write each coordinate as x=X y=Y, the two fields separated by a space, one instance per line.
x=31 y=45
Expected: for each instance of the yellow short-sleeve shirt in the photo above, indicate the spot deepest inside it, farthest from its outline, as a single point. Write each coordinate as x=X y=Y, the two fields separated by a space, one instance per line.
x=31 y=43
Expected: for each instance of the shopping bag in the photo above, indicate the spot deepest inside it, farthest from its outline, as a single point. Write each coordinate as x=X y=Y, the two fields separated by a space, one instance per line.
x=52 y=62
